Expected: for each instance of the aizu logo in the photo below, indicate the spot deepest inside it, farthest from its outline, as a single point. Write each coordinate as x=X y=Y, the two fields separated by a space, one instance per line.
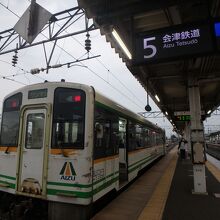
x=67 y=172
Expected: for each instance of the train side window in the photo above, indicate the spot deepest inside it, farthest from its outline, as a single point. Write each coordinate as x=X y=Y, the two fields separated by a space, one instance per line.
x=122 y=132
x=131 y=136
x=102 y=139
x=146 y=137
x=99 y=134
x=138 y=136
x=105 y=133
x=114 y=144
x=152 y=138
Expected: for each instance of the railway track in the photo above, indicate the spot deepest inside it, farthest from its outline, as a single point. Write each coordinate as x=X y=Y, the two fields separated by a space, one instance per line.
x=213 y=150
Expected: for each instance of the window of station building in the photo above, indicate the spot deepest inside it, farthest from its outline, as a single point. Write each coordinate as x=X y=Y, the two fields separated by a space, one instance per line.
x=10 y=120
x=68 y=118
x=105 y=133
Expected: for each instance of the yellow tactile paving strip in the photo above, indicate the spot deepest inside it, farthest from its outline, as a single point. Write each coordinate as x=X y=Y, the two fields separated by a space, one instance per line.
x=214 y=170
x=154 y=208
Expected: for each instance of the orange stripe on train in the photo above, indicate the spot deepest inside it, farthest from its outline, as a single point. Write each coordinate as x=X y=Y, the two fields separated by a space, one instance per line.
x=8 y=148
x=66 y=152
x=105 y=158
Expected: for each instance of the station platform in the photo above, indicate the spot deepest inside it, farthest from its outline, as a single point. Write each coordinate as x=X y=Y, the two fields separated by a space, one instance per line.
x=164 y=192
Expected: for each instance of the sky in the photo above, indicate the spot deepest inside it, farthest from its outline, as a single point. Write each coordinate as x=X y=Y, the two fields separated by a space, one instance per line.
x=107 y=74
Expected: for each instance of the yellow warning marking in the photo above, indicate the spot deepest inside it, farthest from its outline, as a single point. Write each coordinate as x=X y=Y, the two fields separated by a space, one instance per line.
x=154 y=208
x=214 y=170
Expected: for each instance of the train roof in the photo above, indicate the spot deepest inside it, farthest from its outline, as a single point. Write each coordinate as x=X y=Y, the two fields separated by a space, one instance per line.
x=98 y=96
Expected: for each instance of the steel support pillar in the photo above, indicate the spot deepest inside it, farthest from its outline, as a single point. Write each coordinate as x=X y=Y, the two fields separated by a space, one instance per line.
x=197 y=137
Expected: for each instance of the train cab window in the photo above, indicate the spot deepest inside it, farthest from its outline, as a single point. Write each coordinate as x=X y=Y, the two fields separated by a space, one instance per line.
x=35 y=131
x=68 y=118
x=10 y=120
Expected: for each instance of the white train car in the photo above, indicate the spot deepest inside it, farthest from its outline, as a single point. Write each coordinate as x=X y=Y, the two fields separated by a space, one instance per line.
x=70 y=145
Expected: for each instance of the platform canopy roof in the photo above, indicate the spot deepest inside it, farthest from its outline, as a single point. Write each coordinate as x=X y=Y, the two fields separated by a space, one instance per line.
x=167 y=77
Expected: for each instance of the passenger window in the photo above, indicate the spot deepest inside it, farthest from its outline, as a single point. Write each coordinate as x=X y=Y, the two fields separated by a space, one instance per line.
x=102 y=133
x=138 y=137
x=146 y=137
x=105 y=133
x=99 y=134
x=122 y=133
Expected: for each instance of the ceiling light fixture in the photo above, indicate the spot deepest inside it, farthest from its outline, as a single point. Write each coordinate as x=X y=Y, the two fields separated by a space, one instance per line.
x=121 y=43
x=157 y=98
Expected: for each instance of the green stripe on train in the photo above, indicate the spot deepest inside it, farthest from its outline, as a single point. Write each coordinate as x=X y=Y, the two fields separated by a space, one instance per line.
x=69 y=185
x=7 y=177
x=145 y=161
x=68 y=192
x=129 y=166
x=9 y=185
x=130 y=169
x=81 y=185
x=81 y=194
x=110 y=175
x=105 y=185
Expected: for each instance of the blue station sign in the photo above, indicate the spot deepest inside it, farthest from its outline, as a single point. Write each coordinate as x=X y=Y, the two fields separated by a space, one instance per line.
x=174 y=42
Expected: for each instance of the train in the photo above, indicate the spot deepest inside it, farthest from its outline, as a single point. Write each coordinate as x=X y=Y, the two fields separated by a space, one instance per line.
x=69 y=145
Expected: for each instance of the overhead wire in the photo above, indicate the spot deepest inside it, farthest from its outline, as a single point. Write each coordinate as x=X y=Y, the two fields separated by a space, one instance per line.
x=88 y=67
x=6 y=78
x=18 y=74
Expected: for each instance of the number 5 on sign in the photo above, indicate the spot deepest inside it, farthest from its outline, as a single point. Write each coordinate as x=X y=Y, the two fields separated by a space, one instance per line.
x=147 y=45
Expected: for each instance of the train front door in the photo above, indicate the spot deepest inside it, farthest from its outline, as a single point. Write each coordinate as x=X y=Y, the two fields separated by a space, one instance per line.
x=31 y=165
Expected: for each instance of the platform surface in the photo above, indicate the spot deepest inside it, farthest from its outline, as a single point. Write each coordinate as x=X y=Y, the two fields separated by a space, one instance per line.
x=183 y=205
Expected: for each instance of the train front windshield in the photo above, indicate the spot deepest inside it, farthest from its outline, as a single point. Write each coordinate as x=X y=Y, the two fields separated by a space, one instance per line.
x=10 y=120
x=68 y=118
